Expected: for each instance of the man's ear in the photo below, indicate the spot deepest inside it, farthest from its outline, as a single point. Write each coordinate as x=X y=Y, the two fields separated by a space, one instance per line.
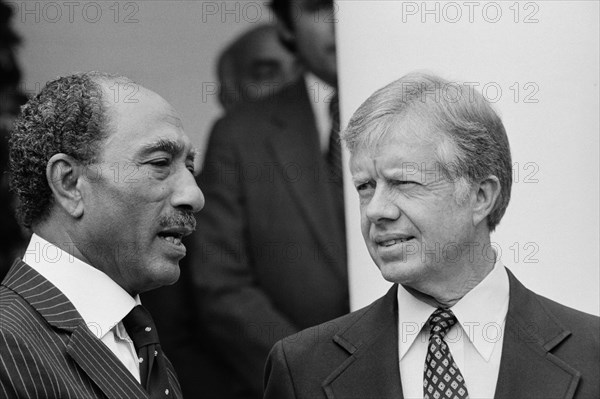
x=64 y=174
x=486 y=196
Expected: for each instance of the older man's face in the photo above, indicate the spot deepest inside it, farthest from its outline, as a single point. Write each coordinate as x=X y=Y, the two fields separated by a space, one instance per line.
x=415 y=230
x=140 y=197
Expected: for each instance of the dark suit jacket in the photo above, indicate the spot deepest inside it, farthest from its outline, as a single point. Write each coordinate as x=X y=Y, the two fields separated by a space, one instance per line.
x=47 y=351
x=549 y=351
x=269 y=256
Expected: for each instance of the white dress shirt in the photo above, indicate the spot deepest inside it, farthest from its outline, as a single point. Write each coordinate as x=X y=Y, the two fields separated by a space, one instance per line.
x=320 y=95
x=475 y=341
x=100 y=301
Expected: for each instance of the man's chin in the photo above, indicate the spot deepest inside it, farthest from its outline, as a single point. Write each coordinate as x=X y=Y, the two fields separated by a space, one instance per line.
x=171 y=276
x=166 y=273
x=399 y=272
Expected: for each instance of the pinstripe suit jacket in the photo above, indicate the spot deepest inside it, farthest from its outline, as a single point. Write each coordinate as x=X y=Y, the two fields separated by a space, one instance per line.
x=47 y=351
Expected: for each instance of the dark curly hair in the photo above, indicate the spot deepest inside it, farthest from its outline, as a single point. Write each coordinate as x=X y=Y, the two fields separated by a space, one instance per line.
x=67 y=116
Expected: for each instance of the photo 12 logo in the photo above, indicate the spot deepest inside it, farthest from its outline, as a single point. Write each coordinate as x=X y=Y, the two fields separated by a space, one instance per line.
x=453 y=12
x=76 y=11
x=236 y=11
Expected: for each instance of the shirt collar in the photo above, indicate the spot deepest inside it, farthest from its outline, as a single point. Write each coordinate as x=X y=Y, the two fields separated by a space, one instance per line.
x=481 y=313
x=412 y=316
x=100 y=301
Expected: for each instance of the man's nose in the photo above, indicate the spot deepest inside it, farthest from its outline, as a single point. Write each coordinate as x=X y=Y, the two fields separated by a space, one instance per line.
x=187 y=193
x=382 y=206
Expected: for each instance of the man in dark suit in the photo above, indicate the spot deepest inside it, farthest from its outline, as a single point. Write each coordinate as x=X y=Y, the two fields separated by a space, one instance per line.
x=431 y=163
x=105 y=178
x=270 y=259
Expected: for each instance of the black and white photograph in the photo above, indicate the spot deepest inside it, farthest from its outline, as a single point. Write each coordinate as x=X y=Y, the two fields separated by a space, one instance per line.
x=300 y=199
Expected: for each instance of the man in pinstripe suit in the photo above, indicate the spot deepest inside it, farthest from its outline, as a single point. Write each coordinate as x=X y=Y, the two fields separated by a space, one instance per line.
x=105 y=177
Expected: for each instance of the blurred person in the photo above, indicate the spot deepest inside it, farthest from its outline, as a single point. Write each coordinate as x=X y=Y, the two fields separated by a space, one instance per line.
x=254 y=66
x=108 y=189
x=431 y=163
x=13 y=238
x=270 y=257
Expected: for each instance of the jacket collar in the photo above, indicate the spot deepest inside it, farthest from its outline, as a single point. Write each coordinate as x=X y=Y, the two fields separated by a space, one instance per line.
x=90 y=354
x=43 y=296
x=528 y=369
x=371 y=370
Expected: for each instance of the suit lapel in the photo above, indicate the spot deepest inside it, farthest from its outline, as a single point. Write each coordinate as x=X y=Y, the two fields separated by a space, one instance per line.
x=296 y=148
x=101 y=365
x=90 y=354
x=372 y=369
x=527 y=368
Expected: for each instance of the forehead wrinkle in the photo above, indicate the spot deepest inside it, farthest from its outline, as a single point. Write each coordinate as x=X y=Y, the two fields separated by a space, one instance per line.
x=174 y=120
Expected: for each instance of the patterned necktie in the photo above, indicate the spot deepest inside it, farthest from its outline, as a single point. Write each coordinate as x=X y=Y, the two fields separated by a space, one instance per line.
x=153 y=370
x=442 y=378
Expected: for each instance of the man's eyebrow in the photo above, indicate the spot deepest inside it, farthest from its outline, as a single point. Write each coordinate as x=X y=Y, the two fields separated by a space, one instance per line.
x=169 y=146
x=172 y=148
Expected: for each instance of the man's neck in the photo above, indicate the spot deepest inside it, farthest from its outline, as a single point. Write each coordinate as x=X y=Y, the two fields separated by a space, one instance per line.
x=55 y=233
x=447 y=293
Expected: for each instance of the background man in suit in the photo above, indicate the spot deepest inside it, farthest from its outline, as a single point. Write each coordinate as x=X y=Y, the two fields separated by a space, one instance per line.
x=431 y=163
x=270 y=258
x=106 y=182
x=254 y=66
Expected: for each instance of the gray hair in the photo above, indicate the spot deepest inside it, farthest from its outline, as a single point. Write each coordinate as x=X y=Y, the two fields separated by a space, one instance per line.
x=472 y=140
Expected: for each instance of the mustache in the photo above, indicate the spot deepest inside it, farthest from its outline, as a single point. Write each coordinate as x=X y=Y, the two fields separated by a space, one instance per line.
x=178 y=219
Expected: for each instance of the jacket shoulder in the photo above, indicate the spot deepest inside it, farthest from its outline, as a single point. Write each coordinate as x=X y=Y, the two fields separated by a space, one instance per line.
x=298 y=364
x=576 y=321
x=249 y=121
x=17 y=314
x=317 y=338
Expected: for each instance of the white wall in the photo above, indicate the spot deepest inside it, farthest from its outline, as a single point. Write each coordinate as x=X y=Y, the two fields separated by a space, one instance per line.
x=168 y=46
x=549 y=51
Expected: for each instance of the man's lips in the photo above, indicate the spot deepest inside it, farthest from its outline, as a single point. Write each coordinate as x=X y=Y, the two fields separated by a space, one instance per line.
x=175 y=234
x=388 y=240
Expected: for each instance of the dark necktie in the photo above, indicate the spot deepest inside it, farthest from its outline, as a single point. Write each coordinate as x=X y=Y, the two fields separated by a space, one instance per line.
x=153 y=370
x=334 y=162
x=442 y=378
x=334 y=153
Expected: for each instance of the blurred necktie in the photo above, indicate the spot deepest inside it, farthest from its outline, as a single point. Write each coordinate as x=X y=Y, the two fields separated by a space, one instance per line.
x=334 y=162
x=334 y=153
x=153 y=370
x=442 y=378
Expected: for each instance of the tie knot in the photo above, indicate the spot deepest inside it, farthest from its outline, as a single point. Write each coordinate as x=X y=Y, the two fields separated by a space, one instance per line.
x=441 y=320
x=140 y=327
